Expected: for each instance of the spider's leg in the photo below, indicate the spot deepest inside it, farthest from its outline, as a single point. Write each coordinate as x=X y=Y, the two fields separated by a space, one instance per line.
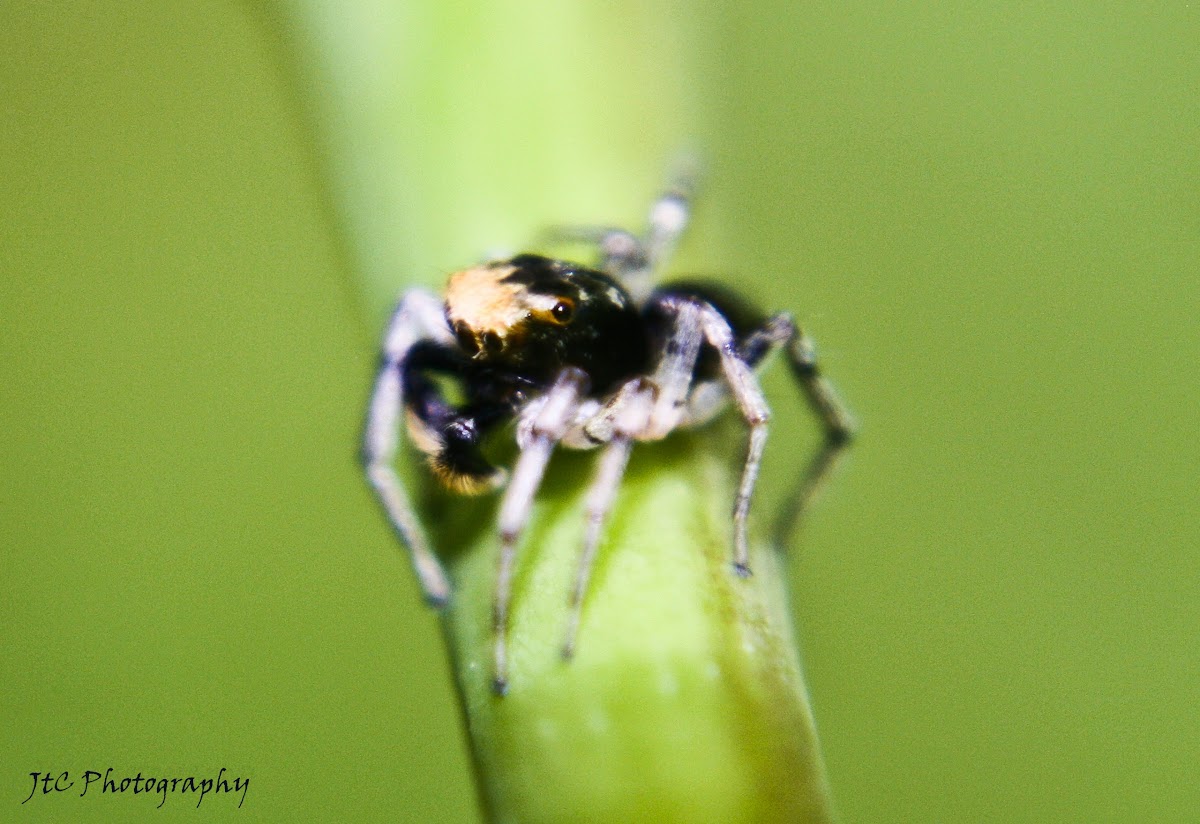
x=418 y=317
x=709 y=397
x=825 y=403
x=669 y=217
x=618 y=423
x=621 y=251
x=673 y=375
x=667 y=221
x=637 y=261
x=550 y=421
x=643 y=409
x=744 y=388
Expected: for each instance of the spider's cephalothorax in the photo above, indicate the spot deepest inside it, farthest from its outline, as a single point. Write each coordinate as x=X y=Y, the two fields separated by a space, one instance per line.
x=582 y=357
x=533 y=316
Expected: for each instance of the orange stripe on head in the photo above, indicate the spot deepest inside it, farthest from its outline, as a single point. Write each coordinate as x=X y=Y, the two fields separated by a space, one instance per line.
x=482 y=309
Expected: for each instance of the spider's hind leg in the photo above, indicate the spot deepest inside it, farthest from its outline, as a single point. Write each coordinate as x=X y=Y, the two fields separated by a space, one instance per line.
x=739 y=354
x=838 y=427
x=636 y=261
x=747 y=394
x=621 y=252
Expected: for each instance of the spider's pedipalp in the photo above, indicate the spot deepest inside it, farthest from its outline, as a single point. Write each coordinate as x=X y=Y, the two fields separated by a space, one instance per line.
x=449 y=436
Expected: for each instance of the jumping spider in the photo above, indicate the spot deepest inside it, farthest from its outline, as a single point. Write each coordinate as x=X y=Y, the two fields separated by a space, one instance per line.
x=583 y=357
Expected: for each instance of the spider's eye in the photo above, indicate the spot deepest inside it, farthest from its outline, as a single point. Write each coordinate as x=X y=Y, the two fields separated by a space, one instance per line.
x=492 y=343
x=465 y=339
x=563 y=311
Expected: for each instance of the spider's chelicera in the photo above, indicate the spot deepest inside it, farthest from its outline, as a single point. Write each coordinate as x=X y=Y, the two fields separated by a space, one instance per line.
x=583 y=357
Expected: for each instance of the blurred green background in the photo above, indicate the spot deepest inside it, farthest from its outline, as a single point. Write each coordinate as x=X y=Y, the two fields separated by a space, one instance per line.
x=988 y=217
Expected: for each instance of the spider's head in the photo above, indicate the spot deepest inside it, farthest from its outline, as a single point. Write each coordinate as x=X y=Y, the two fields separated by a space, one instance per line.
x=536 y=315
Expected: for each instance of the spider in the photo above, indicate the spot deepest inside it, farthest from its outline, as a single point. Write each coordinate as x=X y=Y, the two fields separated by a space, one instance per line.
x=586 y=357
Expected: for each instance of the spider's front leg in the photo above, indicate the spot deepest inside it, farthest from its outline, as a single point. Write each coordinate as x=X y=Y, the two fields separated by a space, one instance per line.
x=616 y=425
x=544 y=427
x=642 y=409
x=418 y=317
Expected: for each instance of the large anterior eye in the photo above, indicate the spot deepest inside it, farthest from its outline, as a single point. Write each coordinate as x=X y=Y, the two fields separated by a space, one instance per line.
x=466 y=339
x=492 y=343
x=563 y=310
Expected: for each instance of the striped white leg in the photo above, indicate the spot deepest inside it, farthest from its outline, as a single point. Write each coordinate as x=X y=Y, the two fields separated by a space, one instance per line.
x=673 y=374
x=549 y=422
x=669 y=216
x=709 y=398
x=419 y=316
x=621 y=251
x=635 y=261
x=627 y=417
x=642 y=410
x=753 y=406
x=668 y=219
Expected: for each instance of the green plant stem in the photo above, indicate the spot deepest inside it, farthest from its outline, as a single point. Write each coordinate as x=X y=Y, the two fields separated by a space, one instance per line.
x=685 y=700
x=451 y=132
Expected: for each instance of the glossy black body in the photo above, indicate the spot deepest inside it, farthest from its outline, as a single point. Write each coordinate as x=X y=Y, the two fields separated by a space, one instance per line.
x=604 y=336
x=607 y=336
